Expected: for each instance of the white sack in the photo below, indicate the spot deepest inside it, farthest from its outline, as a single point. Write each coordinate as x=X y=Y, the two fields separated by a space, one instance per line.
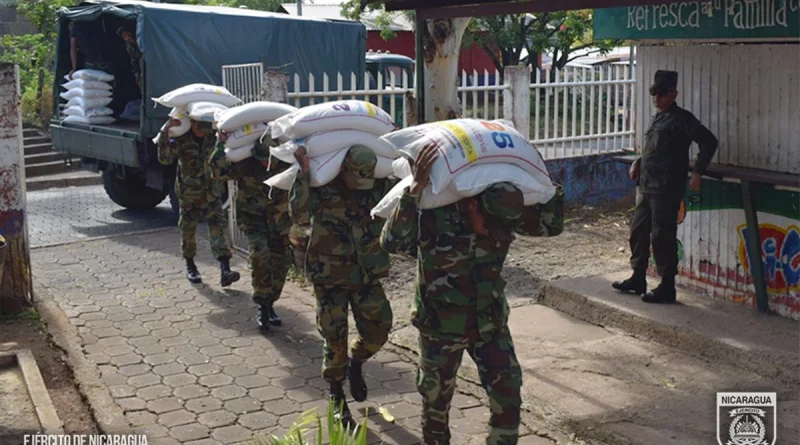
x=94 y=75
x=89 y=103
x=285 y=179
x=86 y=84
x=322 y=169
x=91 y=112
x=427 y=200
x=477 y=178
x=325 y=142
x=237 y=117
x=240 y=153
x=383 y=169
x=339 y=115
x=174 y=132
x=401 y=168
x=179 y=113
x=246 y=135
x=88 y=94
x=204 y=111
x=465 y=142
x=197 y=92
x=98 y=120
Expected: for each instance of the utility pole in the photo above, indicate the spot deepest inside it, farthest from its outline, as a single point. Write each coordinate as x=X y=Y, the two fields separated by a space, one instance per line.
x=299 y=7
x=16 y=290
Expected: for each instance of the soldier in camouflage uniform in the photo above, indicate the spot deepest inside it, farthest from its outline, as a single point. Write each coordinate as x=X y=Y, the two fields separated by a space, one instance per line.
x=127 y=34
x=198 y=194
x=344 y=261
x=263 y=216
x=459 y=304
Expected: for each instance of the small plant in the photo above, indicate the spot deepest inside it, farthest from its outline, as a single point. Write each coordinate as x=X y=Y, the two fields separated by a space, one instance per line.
x=337 y=433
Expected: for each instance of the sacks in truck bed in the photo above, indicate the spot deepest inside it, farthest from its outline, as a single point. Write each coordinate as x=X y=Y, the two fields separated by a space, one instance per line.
x=339 y=115
x=94 y=75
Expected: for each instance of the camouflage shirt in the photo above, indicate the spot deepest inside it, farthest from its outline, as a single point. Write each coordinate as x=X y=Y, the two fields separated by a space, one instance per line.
x=252 y=195
x=194 y=174
x=135 y=55
x=344 y=245
x=460 y=291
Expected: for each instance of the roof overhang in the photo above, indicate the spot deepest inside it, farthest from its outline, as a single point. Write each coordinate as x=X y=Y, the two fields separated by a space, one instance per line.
x=439 y=9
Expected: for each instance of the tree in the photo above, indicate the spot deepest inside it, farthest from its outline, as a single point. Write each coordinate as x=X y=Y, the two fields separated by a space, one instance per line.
x=442 y=39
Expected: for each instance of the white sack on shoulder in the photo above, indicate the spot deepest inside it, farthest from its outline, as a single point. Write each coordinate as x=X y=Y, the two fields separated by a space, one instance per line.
x=92 y=112
x=86 y=85
x=237 y=117
x=88 y=94
x=477 y=178
x=98 y=120
x=88 y=103
x=322 y=170
x=179 y=113
x=285 y=179
x=325 y=142
x=239 y=154
x=246 y=135
x=401 y=168
x=204 y=111
x=383 y=169
x=174 y=132
x=465 y=142
x=95 y=75
x=428 y=200
x=197 y=92
x=339 y=115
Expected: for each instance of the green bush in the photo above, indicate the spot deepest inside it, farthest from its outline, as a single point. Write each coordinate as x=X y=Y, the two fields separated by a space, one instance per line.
x=337 y=434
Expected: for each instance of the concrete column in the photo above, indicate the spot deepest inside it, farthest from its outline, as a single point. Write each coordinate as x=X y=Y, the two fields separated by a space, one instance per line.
x=15 y=284
x=517 y=98
x=276 y=87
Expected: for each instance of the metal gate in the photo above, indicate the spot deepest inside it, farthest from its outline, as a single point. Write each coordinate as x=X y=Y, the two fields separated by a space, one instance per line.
x=245 y=82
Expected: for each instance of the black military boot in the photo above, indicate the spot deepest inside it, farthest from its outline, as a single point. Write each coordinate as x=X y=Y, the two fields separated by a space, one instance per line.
x=663 y=294
x=263 y=317
x=340 y=410
x=227 y=276
x=192 y=273
x=636 y=284
x=358 y=387
x=274 y=320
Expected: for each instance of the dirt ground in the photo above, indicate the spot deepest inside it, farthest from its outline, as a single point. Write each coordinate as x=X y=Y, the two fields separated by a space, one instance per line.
x=27 y=332
x=594 y=242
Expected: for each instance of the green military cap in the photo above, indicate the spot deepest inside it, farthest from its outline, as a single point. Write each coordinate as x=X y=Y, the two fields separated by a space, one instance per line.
x=358 y=169
x=503 y=200
x=664 y=82
x=205 y=126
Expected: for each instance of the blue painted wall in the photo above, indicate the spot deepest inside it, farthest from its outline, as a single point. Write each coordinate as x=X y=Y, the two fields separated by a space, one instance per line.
x=592 y=179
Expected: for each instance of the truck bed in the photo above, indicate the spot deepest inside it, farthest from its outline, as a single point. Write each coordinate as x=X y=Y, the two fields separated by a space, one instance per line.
x=116 y=143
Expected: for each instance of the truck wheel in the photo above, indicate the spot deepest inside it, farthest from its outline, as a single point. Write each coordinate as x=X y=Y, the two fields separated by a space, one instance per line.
x=131 y=192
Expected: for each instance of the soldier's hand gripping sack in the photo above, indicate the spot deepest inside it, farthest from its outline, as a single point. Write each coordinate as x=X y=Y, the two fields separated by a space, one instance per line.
x=465 y=142
x=339 y=115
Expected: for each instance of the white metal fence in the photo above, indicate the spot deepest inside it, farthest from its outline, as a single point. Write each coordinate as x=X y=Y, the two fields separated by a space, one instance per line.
x=574 y=112
x=246 y=83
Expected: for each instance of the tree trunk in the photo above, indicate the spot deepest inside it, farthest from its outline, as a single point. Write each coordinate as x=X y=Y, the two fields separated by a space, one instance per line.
x=15 y=280
x=442 y=47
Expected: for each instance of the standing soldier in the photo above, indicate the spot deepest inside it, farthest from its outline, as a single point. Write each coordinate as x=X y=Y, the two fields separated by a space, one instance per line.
x=344 y=261
x=459 y=303
x=127 y=34
x=197 y=195
x=264 y=218
x=661 y=184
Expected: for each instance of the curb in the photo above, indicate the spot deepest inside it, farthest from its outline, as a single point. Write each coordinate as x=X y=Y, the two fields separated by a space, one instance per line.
x=37 y=390
x=772 y=365
x=109 y=417
x=36 y=184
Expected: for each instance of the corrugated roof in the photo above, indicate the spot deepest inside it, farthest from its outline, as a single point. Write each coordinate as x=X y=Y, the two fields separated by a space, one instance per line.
x=333 y=11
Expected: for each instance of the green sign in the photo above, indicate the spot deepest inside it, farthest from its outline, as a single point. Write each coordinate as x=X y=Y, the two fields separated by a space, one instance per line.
x=714 y=19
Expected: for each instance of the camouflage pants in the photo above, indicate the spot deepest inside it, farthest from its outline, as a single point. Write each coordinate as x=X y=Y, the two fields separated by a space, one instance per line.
x=269 y=260
x=500 y=375
x=372 y=313
x=190 y=216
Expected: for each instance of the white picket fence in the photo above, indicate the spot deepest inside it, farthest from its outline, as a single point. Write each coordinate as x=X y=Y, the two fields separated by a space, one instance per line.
x=574 y=112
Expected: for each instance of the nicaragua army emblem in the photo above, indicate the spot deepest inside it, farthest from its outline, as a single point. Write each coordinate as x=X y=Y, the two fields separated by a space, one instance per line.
x=746 y=418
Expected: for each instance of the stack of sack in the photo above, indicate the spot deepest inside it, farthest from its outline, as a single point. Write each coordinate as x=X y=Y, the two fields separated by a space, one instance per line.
x=246 y=124
x=473 y=155
x=88 y=96
x=327 y=131
x=198 y=101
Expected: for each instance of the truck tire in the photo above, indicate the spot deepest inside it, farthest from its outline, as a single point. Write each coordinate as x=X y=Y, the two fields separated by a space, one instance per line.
x=131 y=192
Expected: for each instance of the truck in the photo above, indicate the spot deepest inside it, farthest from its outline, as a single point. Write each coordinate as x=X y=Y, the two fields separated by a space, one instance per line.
x=387 y=64
x=182 y=45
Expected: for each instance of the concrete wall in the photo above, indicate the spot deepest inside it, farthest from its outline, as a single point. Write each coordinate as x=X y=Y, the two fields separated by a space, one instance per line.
x=591 y=179
x=13 y=23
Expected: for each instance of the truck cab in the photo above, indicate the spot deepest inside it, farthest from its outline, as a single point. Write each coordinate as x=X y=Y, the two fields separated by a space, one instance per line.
x=388 y=64
x=180 y=45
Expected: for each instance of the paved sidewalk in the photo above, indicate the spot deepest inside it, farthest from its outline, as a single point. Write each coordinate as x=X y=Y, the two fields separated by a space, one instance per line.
x=186 y=364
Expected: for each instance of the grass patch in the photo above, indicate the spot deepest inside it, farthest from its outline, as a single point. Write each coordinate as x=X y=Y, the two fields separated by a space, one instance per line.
x=301 y=432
